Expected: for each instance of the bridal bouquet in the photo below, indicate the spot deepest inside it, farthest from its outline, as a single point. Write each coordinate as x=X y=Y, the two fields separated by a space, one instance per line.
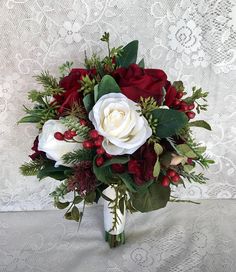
x=115 y=130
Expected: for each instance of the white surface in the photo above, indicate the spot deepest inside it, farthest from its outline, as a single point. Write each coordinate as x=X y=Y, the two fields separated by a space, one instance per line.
x=194 y=40
x=180 y=238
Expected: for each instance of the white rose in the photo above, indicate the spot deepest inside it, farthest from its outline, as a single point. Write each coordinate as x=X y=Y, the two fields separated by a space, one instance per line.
x=117 y=118
x=54 y=148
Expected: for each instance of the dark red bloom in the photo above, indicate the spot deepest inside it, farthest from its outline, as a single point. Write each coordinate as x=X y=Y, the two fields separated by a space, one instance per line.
x=118 y=167
x=36 y=153
x=171 y=94
x=84 y=180
x=71 y=84
x=136 y=82
x=142 y=163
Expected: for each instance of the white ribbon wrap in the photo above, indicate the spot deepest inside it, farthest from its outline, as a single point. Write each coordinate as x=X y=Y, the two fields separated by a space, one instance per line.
x=109 y=216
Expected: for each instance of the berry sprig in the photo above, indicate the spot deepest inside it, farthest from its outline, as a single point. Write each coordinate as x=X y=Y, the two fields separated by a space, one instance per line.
x=171 y=176
x=181 y=105
x=67 y=135
x=95 y=142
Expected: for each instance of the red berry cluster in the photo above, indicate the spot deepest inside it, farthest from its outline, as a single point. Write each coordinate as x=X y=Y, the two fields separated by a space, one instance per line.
x=95 y=141
x=67 y=135
x=171 y=176
x=183 y=106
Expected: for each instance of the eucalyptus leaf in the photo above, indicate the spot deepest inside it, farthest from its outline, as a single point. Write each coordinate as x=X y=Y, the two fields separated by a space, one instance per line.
x=30 y=119
x=103 y=174
x=49 y=170
x=88 y=102
x=158 y=149
x=141 y=64
x=155 y=197
x=128 y=181
x=129 y=54
x=201 y=124
x=106 y=86
x=188 y=168
x=168 y=122
x=118 y=159
x=186 y=151
x=156 y=169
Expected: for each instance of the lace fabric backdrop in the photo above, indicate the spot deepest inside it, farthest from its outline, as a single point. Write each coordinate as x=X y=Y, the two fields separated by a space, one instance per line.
x=192 y=40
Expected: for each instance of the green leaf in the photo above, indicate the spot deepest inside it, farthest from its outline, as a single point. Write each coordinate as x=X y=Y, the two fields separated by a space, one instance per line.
x=200 y=149
x=53 y=172
x=77 y=199
x=119 y=159
x=88 y=102
x=141 y=64
x=106 y=86
x=156 y=169
x=158 y=149
x=186 y=151
x=128 y=181
x=62 y=205
x=200 y=123
x=90 y=197
x=155 y=197
x=68 y=216
x=103 y=174
x=168 y=122
x=122 y=205
x=30 y=119
x=129 y=54
x=188 y=168
x=165 y=159
x=75 y=214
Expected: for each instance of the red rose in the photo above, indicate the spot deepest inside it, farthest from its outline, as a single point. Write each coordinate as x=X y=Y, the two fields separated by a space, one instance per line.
x=71 y=84
x=36 y=153
x=170 y=94
x=142 y=163
x=136 y=82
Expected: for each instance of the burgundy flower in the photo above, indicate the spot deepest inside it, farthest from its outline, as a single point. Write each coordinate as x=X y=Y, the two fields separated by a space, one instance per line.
x=171 y=94
x=83 y=180
x=142 y=163
x=37 y=153
x=118 y=167
x=71 y=84
x=136 y=82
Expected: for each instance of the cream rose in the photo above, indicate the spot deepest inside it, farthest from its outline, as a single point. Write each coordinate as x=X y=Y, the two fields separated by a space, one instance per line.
x=117 y=118
x=54 y=148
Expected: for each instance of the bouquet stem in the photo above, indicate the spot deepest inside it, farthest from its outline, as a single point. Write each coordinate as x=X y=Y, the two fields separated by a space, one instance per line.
x=115 y=240
x=114 y=220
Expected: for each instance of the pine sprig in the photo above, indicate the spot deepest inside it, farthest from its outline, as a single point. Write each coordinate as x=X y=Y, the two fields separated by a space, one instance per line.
x=31 y=168
x=78 y=156
x=65 y=68
x=73 y=124
x=193 y=177
x=49 y=84
x=60 y=191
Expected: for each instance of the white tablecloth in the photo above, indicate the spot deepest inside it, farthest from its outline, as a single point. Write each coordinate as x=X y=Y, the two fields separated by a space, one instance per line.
x=180 y=238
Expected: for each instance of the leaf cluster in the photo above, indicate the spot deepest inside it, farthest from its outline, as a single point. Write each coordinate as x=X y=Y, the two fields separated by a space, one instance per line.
x=198 y=94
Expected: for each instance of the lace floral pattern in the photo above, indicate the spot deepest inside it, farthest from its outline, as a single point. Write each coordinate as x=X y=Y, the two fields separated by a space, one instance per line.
x=191 y=39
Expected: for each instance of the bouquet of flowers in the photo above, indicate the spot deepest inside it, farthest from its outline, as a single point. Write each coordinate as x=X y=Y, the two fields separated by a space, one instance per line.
x=115 y=130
